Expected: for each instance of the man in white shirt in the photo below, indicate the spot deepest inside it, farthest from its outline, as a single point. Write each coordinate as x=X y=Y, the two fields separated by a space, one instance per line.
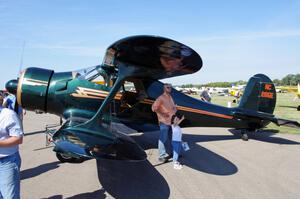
x=11 y=135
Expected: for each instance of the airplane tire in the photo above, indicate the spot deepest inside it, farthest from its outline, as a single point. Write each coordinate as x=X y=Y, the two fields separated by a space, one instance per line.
x=298 y=108
x=65 y=158
x=244 y=135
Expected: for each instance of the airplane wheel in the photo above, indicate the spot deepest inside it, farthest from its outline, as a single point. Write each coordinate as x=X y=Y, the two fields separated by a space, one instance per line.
x=298 y=108
x=244 y=135
x=65 y=158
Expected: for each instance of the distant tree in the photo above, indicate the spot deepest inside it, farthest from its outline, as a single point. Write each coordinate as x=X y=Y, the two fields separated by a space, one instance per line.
x=297 y=78
x=187 y=86
x=223 y=84
x=277 y=82
x=289 y=80
x=241 y=82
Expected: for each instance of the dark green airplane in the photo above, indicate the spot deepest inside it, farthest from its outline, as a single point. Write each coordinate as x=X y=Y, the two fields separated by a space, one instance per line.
x=121 y=91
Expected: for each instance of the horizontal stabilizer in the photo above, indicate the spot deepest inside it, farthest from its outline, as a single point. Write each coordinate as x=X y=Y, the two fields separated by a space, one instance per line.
x=289 y=123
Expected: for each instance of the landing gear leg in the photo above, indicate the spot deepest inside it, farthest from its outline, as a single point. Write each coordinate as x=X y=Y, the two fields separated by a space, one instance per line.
x=244 y=135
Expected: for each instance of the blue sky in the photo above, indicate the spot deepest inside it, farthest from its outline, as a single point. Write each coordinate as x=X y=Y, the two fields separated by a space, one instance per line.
x=236 y=39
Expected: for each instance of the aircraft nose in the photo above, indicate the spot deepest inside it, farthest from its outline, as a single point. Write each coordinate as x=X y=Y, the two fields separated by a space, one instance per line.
x=11 y=86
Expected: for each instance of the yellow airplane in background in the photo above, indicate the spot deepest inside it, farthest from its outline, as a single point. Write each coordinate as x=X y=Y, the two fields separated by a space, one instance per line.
x=290 y=89
x=297 y=90
x=237 y=92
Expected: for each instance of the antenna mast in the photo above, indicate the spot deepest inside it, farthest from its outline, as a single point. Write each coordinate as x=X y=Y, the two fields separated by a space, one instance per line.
x=21 y=61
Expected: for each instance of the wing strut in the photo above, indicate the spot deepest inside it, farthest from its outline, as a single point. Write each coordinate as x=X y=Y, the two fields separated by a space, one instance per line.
x=123 y=72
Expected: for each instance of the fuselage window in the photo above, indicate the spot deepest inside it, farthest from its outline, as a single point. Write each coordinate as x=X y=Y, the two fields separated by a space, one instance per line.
x=129 y=86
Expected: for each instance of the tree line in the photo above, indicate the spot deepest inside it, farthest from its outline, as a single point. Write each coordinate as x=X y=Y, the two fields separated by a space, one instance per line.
x=288 y=80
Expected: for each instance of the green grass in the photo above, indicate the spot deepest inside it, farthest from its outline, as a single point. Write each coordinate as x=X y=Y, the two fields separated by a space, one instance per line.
x=286 y=108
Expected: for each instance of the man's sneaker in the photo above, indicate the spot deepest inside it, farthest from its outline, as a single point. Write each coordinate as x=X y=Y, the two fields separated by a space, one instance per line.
x=163 y=159
x=177 y=166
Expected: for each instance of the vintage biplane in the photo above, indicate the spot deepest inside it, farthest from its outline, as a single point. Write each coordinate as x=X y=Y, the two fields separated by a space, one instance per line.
x=129 y=83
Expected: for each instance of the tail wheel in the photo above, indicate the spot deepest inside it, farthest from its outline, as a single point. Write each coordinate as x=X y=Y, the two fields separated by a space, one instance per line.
x=65 y=158
x=244 y=134
x=245 y=137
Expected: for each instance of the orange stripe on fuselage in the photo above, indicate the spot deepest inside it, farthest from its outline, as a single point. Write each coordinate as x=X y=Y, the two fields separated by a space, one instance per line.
x=96 y=94
x=184 y=108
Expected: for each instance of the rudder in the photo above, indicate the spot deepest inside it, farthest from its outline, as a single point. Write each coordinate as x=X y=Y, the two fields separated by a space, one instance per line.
x=259 y=95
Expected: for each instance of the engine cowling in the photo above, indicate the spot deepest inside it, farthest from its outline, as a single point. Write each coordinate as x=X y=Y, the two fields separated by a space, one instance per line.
x=32 y=88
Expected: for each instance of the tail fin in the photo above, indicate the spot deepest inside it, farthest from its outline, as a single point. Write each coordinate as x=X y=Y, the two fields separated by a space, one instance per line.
x=259 y=94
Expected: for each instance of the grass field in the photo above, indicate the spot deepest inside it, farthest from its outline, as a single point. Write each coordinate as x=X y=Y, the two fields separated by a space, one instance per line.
x=286 y=108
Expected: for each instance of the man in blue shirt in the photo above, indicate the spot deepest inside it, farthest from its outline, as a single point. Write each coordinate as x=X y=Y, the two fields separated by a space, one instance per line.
x=11 y=135
x=205 y=96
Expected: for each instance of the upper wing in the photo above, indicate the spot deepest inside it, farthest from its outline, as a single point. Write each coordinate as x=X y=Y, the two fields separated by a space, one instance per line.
x=157 y=57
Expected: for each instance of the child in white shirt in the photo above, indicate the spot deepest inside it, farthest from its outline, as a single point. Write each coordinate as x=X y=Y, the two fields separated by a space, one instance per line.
x=176 y=140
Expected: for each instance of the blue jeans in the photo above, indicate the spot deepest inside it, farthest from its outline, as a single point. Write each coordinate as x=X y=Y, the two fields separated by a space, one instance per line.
x=164 y=139
x=176 y=150
x=10 y=177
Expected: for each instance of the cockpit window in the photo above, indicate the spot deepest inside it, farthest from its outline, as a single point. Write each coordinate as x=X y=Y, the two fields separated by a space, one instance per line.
x=94 y=74
x=88 y=73
x=129 y=86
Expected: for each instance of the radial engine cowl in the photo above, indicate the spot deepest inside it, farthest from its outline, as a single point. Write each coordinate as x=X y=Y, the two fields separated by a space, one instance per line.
x=33 y=87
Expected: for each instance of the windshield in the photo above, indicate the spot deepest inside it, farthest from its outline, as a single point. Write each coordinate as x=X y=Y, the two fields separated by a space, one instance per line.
x=88 y=73
x=94 y=74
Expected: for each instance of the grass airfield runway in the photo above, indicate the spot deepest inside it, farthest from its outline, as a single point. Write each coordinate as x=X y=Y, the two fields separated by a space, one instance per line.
x=219 y=165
